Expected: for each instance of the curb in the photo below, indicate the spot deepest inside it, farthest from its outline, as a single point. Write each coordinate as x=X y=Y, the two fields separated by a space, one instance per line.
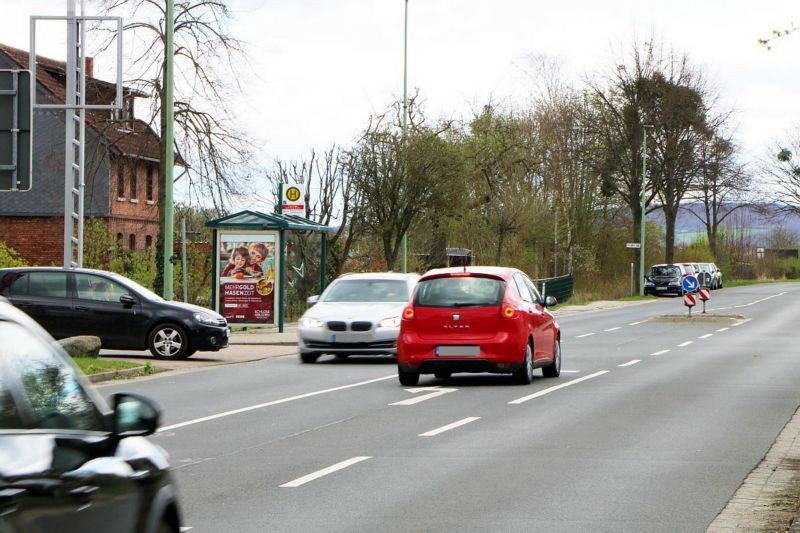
x=263 y=343
x=117 y=374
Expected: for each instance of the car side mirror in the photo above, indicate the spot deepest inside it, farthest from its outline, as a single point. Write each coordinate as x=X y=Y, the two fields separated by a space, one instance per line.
x=127 y=300
x=134 y=415
x=550 y=301
x=311 y=300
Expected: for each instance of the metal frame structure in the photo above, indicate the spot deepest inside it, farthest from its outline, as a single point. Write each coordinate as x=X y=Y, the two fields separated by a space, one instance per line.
x=75 y=107
x=17 y=128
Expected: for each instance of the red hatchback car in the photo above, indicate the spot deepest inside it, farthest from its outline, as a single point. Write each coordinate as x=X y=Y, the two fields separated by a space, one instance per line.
x=477 y=319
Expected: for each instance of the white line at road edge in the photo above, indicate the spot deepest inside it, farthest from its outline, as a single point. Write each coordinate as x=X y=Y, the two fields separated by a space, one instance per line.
x=551 y=389
x=629 y=363
x=659 y=353
x=687 y=343
x=448 y=427
x=274 y=402
x=324 y=472
x=584 y=335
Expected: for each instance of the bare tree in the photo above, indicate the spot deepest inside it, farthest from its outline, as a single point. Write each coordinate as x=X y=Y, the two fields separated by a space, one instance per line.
x=783 y=168
x=719 y=187
x=215 y=155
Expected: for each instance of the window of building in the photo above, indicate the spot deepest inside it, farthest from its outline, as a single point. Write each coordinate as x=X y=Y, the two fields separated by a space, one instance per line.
x=120 y=179
x=132 y=241
x=134 y=175
x=149 y=184
x=148 y=241
x=119 y=241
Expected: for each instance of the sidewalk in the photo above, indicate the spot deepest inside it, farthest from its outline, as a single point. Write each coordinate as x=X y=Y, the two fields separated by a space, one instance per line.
x=267 y=335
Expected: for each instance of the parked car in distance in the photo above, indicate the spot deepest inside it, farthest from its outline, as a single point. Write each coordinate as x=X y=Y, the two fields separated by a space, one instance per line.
x=125 y=315
x=717 y=277
x=665 y=279
x=68 y=463
x=478 y=319
x=357 y=314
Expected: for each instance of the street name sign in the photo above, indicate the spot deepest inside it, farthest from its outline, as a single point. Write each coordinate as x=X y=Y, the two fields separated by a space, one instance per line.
x=633 y=245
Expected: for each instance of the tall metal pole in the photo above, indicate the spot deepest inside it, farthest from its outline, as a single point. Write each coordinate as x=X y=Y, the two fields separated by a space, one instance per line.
x=644 y=199
x=183 y=262
x=69 y=136
x=404 y=242
x=169 y=152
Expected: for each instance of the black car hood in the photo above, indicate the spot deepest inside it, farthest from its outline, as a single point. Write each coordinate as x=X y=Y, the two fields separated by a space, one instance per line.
x=191 y=308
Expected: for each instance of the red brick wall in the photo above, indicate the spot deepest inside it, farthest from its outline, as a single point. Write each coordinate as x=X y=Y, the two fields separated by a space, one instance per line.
x=133 y=214
x=39 y=240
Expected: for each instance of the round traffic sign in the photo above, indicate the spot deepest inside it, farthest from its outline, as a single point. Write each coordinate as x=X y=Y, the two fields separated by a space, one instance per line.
x=690 y=284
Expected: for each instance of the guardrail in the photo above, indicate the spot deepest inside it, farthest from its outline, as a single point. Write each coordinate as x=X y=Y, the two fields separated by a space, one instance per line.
x=560 y=287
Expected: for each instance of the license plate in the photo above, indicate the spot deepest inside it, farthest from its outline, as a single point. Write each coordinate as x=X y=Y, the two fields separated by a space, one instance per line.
x=661 y=288
x=458 y=350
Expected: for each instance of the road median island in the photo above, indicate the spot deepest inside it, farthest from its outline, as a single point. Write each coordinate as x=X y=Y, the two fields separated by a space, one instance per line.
x=700 y=318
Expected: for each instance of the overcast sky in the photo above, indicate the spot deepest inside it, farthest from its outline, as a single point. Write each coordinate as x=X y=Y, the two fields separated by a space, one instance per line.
x=322 y=67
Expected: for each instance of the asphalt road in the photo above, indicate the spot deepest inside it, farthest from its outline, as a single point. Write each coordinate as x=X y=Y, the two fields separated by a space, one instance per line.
x=652 y=426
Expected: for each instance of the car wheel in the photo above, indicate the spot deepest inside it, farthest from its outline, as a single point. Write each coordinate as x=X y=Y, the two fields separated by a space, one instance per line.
x=308 y=357
x=169 y=341
x=524 y=374
x=442 y=375
x=553 y=370
x=407 y=378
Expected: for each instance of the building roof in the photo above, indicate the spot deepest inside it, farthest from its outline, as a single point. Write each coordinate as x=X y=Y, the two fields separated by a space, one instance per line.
x=132 y=138
x=255 y=220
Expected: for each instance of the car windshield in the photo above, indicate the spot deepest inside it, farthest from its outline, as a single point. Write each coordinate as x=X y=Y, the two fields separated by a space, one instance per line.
x=367 y=290
x=144 y=291
x=671 y=271
x=461 y=291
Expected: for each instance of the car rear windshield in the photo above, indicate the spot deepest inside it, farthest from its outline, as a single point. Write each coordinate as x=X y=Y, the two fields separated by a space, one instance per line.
x=671 y=271
x=367 y=290
x=461 y=291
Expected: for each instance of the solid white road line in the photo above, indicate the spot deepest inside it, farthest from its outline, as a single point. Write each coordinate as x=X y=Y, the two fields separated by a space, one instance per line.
x=324 y=472
x=613 y=329
x=584 y=335
x=721 y=330
x=185 y=528
x=659 y=353
x=635 y=323
x=687 y=343
x=570 y=371
x=707 y=335
x=551 y=389
x=274 y=402
x=448 y=427
x=629 y=363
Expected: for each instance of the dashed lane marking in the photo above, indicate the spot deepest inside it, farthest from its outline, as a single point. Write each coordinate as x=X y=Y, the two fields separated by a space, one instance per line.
x=720 y=330
x=324 y=472
x=448 y=427
x=613 y=329
x=707 y=335
x=584 y=335
x=687 y=343
x=635 y=323
x=630 y=363
x=557 y=387
x=660 y=353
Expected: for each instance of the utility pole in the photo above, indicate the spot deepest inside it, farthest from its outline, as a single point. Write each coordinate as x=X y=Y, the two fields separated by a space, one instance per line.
x=404 y=241
x=169 y=153
x=644 y=200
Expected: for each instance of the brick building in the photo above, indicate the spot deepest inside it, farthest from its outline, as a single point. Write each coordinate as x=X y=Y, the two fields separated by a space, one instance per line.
x=121 y=169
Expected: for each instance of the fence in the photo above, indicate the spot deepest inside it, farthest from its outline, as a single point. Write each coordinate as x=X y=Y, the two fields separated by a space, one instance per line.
x=560 y=287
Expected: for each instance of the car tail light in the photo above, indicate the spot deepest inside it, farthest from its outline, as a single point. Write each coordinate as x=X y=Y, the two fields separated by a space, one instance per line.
x=508 y=312
x=408 y=313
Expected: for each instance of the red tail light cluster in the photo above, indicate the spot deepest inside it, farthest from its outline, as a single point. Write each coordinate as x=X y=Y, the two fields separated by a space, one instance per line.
x=408 y=313
x=507 y=311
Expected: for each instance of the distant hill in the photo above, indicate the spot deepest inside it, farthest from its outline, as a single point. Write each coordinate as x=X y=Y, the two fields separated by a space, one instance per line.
x=688 y=228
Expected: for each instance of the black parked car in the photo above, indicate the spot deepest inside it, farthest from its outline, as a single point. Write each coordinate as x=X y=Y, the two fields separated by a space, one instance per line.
x=125 y=315
x=68 y=463
x=664 y=279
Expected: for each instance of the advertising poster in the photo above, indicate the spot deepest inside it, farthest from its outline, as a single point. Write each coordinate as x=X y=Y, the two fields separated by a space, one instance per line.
x=247 y=285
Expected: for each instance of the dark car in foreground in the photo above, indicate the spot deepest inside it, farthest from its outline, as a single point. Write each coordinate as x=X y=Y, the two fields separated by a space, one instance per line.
x=478 y=319
x=68 y=463
x=125 y=315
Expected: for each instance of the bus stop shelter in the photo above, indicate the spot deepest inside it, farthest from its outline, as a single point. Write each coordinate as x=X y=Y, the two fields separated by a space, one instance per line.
x=249 y=264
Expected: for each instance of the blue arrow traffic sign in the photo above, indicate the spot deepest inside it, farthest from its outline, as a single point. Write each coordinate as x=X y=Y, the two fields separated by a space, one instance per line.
x=690 y=284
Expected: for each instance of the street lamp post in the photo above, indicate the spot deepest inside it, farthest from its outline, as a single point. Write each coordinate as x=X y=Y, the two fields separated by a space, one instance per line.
x=404 y=240
x=644 y=201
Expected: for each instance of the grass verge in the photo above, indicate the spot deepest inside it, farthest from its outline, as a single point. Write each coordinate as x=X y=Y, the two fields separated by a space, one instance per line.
x=95 y=365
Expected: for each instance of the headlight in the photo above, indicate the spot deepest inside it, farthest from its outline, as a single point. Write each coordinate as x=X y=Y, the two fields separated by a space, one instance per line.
x=310 y=322
x=646 y=283
x=674 y=283
x=207 y=319
x=393 y=322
